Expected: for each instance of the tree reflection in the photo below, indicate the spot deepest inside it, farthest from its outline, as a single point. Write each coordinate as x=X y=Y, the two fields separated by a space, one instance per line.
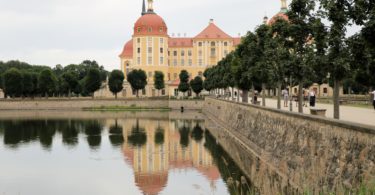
x=235 y=179
x=93 y=130
x=197 y=133
x=70 y=134
x=116 y=138
x=159 y=136
x=184 y=136
x=138 y=136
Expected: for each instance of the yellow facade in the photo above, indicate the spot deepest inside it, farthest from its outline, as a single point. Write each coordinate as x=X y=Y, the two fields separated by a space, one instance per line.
x=152 y=49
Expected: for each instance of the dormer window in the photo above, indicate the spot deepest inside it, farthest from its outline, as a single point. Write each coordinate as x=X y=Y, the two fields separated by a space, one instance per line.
x=149 y=29
x=161 y=29
x=139 y=29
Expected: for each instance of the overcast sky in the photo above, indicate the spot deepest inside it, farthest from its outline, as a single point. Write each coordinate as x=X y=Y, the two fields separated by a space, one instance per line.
x=50 y=32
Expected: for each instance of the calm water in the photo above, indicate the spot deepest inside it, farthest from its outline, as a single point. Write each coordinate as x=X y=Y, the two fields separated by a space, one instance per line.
x=129 y=153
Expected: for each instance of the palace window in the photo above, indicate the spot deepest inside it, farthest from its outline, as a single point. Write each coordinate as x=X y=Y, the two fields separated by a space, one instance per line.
x=161 y=60
x=200 y=44
x=190 y=62
x=182 y=62
x=175 y=62
x=138 y=50
x=149 y=49
x=138 y=60
x=213 y=44
x=200 y=53
x=213 y=52
x=138 y=40
x=149 y=60
x=200 y=62
x=174 y=53
x=161 y=50
x=225 y=44
x=189 y=53
x=183 y=53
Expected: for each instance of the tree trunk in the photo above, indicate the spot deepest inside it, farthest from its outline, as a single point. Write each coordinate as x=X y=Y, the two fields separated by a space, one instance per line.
x=300 y=97
x=245 y=96
x=116 y=96
x=252 y=94
x=279 y=95
x=232 y=95
x=70 y=93
x=137 y=93
x=336 y=99
x=263 y=94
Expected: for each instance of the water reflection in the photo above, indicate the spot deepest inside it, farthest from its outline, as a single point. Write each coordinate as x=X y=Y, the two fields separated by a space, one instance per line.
x=153 y=148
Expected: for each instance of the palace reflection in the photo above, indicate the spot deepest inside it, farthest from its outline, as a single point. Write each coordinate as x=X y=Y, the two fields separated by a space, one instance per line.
x=153 y=148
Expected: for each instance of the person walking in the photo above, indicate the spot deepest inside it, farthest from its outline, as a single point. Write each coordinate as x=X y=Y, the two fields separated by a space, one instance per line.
x=312 y=98
x=285 y=94
x=373 y=101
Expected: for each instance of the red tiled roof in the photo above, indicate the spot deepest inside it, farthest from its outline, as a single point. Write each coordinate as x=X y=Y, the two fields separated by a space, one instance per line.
x=212 y=32
x=150 y=24
x=128 y=50
x=180 y=42
x=279 y=15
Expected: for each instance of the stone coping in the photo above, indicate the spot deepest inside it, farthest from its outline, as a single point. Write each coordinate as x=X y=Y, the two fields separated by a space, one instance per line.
x=344 y=124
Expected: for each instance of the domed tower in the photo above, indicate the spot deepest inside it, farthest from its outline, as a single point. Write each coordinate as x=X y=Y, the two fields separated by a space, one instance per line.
x=281 y=14
x=148 y=49
x=150 y=43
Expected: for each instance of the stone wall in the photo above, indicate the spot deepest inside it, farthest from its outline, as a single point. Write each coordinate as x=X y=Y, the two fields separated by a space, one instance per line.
x=79 y=104
x=310 y=153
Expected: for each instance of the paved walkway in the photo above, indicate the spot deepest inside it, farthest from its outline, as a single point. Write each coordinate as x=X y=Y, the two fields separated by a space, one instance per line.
x=347 y=113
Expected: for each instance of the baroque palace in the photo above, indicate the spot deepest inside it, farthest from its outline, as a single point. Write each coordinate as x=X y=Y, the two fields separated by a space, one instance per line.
x=152 y=49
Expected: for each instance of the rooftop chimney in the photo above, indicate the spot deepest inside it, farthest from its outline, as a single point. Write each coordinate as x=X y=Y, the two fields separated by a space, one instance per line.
x=211 y=21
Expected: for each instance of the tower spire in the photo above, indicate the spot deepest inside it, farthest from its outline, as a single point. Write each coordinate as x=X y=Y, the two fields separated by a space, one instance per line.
x=150 y=6
x=284 y=6
x=143 y=8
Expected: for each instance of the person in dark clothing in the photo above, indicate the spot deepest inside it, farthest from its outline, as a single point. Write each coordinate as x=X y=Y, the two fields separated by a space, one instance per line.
x=312 y=98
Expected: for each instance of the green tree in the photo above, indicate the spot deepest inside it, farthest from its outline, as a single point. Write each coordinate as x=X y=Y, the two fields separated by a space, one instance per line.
x=71 y=78
x=13 y=85
x=338 y=66
x=159 y=81
x=116 y=81
x=300 y=17
x=184 y=82
x=47 y=82
x=137 y=80
x=92 y=81
x=30 y=83
x=197 y=85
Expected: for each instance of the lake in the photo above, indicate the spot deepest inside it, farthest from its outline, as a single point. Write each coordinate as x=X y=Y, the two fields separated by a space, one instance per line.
x=51 y=152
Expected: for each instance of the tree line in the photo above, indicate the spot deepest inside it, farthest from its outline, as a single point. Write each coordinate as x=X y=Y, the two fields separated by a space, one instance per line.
x=304 y=50
x=20 y=79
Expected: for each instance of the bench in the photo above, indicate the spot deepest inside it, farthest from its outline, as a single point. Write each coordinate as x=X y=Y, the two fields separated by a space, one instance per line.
x=318 y=111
